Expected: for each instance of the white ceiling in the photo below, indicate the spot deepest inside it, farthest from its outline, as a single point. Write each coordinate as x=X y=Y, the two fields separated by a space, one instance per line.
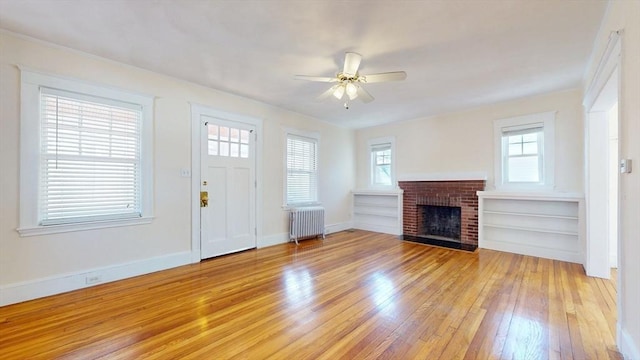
x=457 y=53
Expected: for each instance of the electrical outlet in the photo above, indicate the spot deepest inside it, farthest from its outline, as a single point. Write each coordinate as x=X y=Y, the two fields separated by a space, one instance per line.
x=93 y=279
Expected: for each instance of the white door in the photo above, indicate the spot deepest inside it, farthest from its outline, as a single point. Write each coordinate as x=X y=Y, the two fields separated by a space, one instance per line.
x=228 y=176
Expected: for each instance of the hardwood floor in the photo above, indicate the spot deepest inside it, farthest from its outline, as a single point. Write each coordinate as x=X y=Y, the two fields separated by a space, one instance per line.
x=355 y=295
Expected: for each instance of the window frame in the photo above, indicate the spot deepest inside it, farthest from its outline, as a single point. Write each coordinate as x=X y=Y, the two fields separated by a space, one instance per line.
x=30 y=124
x=546 y=142
x=371 y=145
x=316 y=138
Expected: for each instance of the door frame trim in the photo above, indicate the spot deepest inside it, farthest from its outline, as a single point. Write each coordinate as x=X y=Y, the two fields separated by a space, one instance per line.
x=197 y=111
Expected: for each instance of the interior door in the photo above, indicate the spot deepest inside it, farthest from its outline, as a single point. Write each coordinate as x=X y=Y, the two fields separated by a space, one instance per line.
x=228 y=187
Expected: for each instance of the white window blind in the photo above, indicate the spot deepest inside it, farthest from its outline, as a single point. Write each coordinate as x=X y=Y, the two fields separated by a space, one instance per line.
x=302 y=170
x=522 y=147
x=90 y=166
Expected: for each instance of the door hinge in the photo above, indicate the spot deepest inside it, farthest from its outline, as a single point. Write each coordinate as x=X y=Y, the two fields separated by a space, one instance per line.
x=255 y=231
x=255 y=184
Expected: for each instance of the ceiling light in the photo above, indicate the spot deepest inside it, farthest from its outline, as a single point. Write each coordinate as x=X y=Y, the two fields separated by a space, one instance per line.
x=339 y=92
x=352 y=90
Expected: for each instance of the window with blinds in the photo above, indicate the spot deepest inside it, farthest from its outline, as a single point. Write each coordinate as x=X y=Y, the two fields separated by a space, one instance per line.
x=302 y=170
x=90 y=158
x=522 y=155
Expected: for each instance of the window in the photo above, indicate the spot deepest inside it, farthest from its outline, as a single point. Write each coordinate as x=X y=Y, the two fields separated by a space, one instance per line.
x=381 y=163
x=227 y=141
x=89 y=163
x=302 y=169
x=525 y=152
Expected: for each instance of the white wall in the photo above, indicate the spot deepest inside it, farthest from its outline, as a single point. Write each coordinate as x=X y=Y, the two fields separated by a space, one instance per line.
x=55 y=259
x=624 y=15
x=463 y=142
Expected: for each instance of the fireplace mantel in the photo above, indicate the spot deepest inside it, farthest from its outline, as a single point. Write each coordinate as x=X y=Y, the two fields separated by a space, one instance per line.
x=446 y=176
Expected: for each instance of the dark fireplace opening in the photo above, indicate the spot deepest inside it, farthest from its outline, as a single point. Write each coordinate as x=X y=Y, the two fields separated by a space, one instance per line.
x=440 y=222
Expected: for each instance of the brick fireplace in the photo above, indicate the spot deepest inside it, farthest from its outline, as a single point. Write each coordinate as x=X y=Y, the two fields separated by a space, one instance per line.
x=452 y=204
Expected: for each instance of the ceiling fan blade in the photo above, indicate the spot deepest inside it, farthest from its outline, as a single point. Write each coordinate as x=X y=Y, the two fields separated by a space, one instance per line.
x=316 y=78
x=351 y=63
x=382 y=77
x=364 y=95
x=327 y=93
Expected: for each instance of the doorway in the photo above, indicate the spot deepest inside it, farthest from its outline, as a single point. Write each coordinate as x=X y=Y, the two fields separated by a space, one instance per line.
x=225 y=172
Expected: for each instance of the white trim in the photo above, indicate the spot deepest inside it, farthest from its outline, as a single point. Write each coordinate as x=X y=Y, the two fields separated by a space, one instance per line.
x=55 y=229
x=197 y=111
x=627 y=347
x=274 y=239
x=30 y=84
x=448 y=176
x=52 y=285
x=334 y=228
x=380 y=141
x=548 y=152
x=608 y=63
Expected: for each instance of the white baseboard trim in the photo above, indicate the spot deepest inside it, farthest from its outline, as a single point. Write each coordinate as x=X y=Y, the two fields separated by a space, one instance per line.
x=627 y=347
x=34 y=289
x=532 y=250
x=334 y=228
x=392 y=230
x=275 y=239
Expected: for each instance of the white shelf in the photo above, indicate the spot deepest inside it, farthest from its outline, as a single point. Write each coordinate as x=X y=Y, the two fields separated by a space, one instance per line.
x=531 y=215
x=378 y=210
x=546 y=224
x=521 y=228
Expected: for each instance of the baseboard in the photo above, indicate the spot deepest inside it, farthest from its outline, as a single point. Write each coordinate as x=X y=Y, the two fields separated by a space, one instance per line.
x=34 y=289
x=627 y=347
x=334 y=228
x=392 y=230
x=274 y=239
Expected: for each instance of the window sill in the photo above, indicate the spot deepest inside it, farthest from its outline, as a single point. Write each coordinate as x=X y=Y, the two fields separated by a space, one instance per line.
x=293 y=206
x=55 y=229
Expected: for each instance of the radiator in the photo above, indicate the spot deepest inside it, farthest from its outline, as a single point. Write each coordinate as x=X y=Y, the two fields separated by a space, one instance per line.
x=306 y=222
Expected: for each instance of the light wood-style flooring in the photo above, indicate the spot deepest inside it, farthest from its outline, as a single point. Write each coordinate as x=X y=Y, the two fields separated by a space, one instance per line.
x=355 y=295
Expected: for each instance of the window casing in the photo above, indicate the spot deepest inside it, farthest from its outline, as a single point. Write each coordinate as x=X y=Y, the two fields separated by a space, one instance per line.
x=382 y=162
x=301 y=164
x=524 y=152
x=85 y=156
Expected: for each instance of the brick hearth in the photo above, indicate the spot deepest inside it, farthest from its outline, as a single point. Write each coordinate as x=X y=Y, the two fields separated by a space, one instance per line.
x=443 y=193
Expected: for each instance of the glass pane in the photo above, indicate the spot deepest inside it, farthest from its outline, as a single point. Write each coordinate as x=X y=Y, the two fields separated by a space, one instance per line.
x=382 y=175
x=514 y=139
x=235 y=135
x=244 y=151
x=235 y=151
x=530 y=137
x=213 y=147
x=224 y=147
x=224 y=133
x=523 y=169
x=213 y=131
x=530 y=148
x=244 y=136
x=515 y=149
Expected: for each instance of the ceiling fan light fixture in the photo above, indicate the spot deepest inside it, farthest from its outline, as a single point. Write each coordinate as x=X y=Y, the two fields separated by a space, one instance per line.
x=352 y=90
x=338 y=93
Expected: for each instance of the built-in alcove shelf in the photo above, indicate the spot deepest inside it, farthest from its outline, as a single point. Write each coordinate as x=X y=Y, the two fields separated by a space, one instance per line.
x=378 y=210
x=539 y=224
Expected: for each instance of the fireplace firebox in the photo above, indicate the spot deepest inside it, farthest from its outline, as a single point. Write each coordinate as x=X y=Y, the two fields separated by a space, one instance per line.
x=439 y=222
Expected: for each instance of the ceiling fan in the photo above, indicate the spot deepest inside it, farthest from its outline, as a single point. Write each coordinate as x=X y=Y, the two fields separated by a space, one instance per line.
x=349 y=80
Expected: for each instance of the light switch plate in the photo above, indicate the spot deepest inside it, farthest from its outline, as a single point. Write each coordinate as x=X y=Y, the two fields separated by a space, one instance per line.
x=625 y=166
x=184 y=172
